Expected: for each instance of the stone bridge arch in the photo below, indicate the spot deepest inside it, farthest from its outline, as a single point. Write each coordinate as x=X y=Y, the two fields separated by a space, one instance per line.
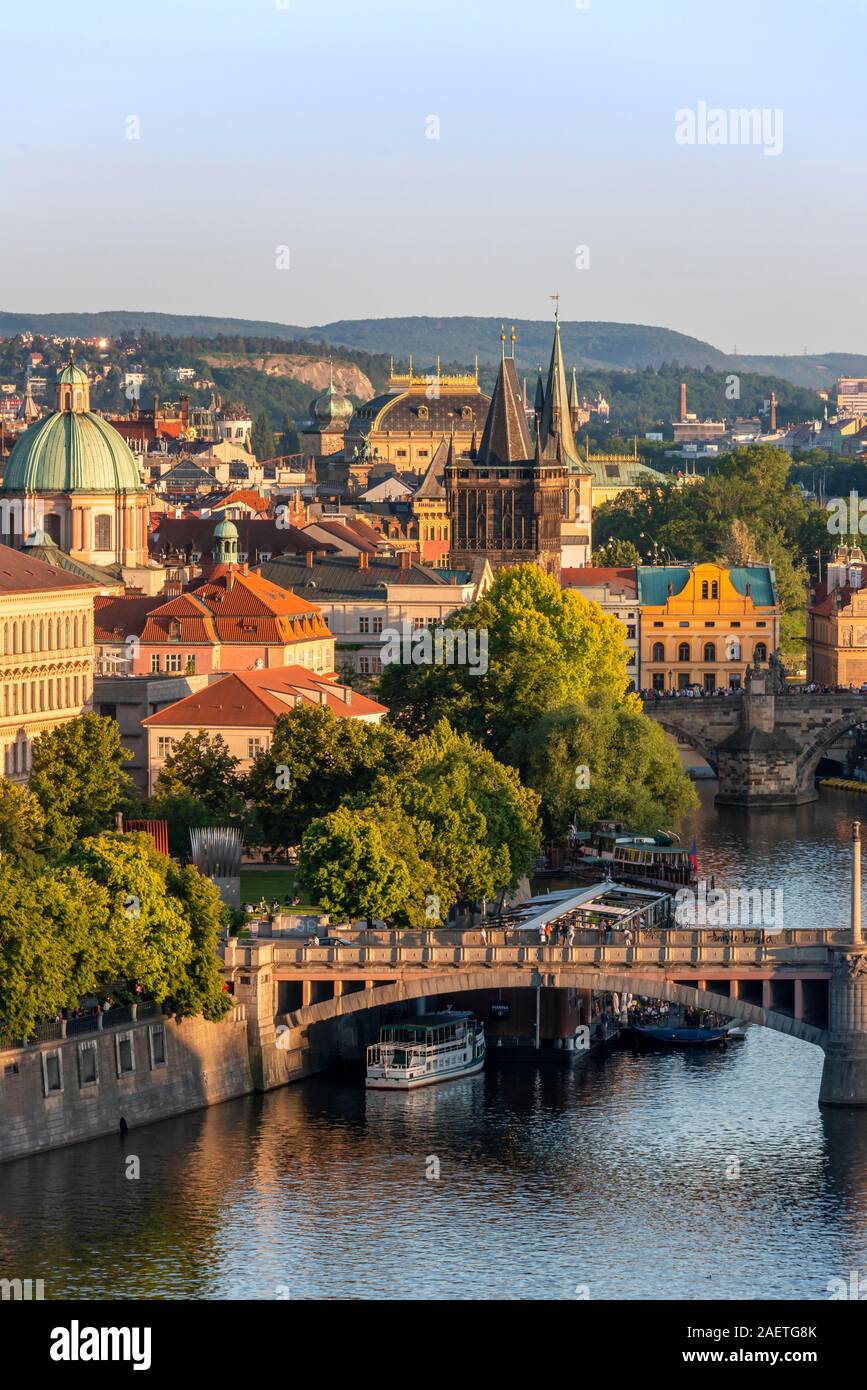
x=682 y=730
x=316 y=1016
x=824 y=738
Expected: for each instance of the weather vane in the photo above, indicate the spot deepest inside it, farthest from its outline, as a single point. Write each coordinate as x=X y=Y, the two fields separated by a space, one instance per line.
x=556 y=299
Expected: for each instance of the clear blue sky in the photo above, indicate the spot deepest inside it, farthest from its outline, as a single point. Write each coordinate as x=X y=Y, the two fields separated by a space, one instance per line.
x=263 y=126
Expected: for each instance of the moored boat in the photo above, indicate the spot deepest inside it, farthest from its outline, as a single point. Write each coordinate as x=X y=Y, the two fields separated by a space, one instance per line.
x=425 y=1050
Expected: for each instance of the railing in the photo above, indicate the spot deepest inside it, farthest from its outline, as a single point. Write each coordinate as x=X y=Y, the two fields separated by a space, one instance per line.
x=88 y=1023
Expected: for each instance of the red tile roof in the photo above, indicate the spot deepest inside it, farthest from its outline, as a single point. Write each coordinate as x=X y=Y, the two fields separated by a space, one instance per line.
x=257 y=697
x=24 y=574
x=621 y=579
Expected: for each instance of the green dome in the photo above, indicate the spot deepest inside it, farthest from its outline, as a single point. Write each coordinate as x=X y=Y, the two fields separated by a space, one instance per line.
x=225 y=531
x=71 y=451
x=73 y=376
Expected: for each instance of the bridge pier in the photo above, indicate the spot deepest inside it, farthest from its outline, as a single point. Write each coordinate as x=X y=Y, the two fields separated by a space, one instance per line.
x=844 y=1075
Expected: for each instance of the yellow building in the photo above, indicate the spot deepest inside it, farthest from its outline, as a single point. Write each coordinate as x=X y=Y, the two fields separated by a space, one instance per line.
x=46 y=653
x=704 y=625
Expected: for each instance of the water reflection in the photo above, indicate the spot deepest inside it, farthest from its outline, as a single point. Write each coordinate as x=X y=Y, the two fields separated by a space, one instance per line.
x=652 y=1175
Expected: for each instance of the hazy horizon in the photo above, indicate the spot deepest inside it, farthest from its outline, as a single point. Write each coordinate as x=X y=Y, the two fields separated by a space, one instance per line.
x=561 y=161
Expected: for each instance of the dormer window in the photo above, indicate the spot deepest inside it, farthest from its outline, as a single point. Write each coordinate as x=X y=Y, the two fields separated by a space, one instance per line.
x=174 y=629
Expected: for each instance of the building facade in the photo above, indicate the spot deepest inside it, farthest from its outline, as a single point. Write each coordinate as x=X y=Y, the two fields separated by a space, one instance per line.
x=46 y=654
x=703 y=626
x=615 y=590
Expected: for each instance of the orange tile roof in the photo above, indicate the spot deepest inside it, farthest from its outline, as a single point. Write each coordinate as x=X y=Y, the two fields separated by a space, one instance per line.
x=255 y=698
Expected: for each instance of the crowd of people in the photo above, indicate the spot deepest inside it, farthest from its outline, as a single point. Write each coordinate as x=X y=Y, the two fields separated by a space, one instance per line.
x=695 y=692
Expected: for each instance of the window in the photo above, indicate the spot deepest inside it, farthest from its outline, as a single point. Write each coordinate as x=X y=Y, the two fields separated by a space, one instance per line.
x=165 y=744
x=709 y=684
x=762 y=624
x=102 y=533
x=363 y=624
x=658 y=624
x=683 y=681
x=377 y=625
x=157 y=1045
x=659 y=681
x=155 y=662
x=254 y=747
x=704 y=588
x=734 y=681
x=760 y=651
x=173 y=661
x=630 y=634
x=714 y=589
x=52 y=1072
x=88 y=1064
x=658 y=652
x=124 y=1054
x=683 y=652
x=108 y=711
x=709 y=653
x=364 y=665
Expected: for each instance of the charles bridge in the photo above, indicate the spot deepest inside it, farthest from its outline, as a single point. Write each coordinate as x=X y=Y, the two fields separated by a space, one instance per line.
x=764 y=747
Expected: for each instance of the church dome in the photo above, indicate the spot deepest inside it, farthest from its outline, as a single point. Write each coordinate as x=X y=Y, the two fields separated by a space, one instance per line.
x=331 y=408
x=72 y=376
x=225 y=530
x=71 y=451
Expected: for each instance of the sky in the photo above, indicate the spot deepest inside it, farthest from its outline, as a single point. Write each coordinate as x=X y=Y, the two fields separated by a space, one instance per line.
x=310 y=160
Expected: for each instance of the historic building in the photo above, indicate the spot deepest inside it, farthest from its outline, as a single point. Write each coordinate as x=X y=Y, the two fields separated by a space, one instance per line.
x=615 y=590
x=227 y=619
x=72 y=476
x=243 y=708
x=837 y=622
x=46 y=653
x=513 y=501
x=402 y=429
x=705 y=625
x=330 y=415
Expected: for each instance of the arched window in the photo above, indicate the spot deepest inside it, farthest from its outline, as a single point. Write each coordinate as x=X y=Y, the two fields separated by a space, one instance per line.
x=760 y=651
x=50 y=635
x=67 y=643
x=710 y=651
x=683 y=652
x=704 y=588
x=714 y=589
x=658 y=652
x=102 y=533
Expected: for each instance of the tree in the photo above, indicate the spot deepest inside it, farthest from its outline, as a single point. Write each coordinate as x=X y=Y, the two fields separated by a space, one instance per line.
x=182 y=811
x=600 y=759
x=22 y=827
x=543 y=647
x=51 y=925
x=201 y=766
x=289 y=443
x=315 y=763
x=347 y=869
x=262 y=438
x=200 y=989
x=616 y=552
x=77 y=776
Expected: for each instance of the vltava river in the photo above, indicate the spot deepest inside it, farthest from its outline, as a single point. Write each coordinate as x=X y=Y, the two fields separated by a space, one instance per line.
x=667 y=1175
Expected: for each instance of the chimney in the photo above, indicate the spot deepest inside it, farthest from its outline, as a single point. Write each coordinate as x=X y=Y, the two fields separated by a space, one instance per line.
x=308 y=559
x=362 y=560
x=405 y=559
x=773 y=421
x=683 y=400
x=347 y=694
x=856 y=883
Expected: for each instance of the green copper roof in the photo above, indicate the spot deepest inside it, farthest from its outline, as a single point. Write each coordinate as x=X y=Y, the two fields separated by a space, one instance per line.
x=653 y=582
x=226 y=530
x=71 y=451
x=73 y=376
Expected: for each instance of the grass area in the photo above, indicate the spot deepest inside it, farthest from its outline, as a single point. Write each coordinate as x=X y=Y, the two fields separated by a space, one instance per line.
x=270 y=884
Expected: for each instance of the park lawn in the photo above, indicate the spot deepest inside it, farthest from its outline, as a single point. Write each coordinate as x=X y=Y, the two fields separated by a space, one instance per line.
x=270 y=884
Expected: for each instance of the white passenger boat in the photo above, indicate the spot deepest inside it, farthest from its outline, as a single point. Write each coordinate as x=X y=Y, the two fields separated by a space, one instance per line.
x=425 y=1050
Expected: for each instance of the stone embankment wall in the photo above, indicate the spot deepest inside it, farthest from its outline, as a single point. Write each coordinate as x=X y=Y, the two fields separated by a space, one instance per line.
x=63 y=1091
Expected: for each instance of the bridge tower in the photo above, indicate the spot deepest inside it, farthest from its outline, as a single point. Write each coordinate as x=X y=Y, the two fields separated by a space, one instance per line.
x=758 y=764
x=844 y=1076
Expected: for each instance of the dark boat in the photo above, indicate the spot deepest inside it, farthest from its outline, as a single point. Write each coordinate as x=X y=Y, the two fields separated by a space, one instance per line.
x=667 y=1035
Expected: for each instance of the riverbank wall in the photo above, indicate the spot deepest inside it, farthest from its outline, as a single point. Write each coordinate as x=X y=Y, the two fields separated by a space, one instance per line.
x=130 y=1072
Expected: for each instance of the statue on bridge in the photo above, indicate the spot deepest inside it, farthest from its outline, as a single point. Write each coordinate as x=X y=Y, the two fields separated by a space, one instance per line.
x=778 y=673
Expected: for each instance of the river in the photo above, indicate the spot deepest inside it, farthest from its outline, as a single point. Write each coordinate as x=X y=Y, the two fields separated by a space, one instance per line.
x=663 y=1175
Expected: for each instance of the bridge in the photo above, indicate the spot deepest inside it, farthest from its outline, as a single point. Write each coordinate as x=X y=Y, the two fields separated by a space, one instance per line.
x=305 y=1002
x=763 y=747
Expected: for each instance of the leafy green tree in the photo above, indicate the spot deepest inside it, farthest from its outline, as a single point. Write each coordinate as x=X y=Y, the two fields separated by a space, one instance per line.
x=202 y=766
x=290 y=442
x=77 y=776
x=601 y=759
x=51 y=927
x=616 y=553
x=262 y=438
x=346 y=867
x=22 y=827
x=544 y=647
x=200 y=989
x=183 y=811
x=315 y=763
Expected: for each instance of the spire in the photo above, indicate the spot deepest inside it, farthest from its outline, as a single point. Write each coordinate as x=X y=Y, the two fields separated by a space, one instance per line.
x=503 y=341
x=556 y=420
x=505 y=438
x=539 y=404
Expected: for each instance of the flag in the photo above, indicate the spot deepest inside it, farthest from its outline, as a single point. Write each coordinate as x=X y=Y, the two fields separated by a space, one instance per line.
x=693 y=858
